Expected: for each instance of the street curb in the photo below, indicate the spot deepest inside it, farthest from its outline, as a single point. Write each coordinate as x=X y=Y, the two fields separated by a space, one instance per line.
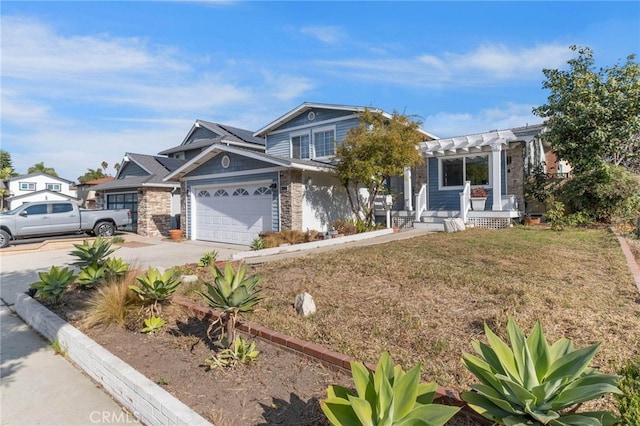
x=148 y=402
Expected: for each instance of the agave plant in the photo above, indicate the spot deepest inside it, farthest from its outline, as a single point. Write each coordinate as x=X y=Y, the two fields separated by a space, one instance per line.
x=92 y=253
x=155 y=287
x=153 y=324
x=387 y=397
x=533 y=383
x=91 y=275
x=53 y=284
x=241 y=352
x=233 y=293
x=207 y=259
x=257 y=244
x=115 y=268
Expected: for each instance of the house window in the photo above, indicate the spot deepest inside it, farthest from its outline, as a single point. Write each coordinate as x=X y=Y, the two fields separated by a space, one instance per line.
x=221 y=193
x=54 y=187
x=263 y=190
x=240 y=191
x=27 y=186
x=324 y=143
x=473 y=168
x=300 y=146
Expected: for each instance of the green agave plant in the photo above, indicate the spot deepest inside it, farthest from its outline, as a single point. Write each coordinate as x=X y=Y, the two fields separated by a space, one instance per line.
x=387 y=397
x=241 y=352
x=94 y=252
x=53 y=284
x=533 y=383
x=155 y=287
x=115 y=267
x=233 y=293
x=153 y=324
x=91 y=275
x=207 y=259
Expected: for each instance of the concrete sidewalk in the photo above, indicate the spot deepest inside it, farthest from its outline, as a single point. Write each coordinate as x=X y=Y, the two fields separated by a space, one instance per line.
x=41 y=388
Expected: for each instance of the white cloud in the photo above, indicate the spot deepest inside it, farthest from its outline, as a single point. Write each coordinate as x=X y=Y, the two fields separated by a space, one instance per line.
x=447 y=124
x=326 y=34
x=487 y=64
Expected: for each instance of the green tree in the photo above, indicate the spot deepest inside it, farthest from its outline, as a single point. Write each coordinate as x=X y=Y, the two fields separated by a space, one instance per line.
x=6 y=163
x=379 y=148
x=41 y=168
x=594 y=115
x=91 y=174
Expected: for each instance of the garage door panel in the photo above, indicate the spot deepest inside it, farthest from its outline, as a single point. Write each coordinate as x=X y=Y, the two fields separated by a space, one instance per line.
x=233 y=219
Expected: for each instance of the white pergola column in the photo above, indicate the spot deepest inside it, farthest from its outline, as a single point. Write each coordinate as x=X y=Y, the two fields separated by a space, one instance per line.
x=408 y=202
x=496 y=177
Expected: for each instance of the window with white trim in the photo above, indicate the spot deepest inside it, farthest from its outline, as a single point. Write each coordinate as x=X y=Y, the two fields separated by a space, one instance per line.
x=454 y=172
x=324 y=143
x=300 y=146
x=263 y=190
x=56 y=187
x=27 y=186
x=240 y=192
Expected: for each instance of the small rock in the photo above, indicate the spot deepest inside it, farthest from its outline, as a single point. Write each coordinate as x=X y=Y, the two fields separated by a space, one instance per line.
x=304 y=304
x=188 y=279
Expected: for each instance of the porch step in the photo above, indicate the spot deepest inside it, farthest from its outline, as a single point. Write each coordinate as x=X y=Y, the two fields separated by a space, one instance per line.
x=431 y=226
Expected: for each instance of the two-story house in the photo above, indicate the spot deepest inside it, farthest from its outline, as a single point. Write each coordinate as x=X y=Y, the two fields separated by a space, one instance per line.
x=38 y=187
x=233 y=193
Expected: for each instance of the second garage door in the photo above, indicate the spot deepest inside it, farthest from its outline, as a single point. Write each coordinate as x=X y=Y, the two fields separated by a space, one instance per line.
x=233 y=214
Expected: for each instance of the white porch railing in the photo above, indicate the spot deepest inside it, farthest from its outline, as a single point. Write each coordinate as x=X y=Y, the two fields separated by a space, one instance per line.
x=421 y=202
x=465 y=201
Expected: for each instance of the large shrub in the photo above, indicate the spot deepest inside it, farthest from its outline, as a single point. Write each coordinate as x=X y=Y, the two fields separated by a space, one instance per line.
x=607 y=194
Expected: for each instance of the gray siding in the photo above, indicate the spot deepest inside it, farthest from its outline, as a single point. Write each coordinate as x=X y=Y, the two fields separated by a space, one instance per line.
x=237 y=163
x=199 y=135
x=321 y=115
x=279 y=144
x=131 y=169
x=273 y=176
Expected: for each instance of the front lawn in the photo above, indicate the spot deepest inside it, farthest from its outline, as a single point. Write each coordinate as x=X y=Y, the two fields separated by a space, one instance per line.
x=426 y=298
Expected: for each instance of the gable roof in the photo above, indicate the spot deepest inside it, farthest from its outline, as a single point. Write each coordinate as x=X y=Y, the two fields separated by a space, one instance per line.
x=41 y=192
x=30 y=175
x=157 y=168
x=226 y=135
x=306 y=106
x=216 y=149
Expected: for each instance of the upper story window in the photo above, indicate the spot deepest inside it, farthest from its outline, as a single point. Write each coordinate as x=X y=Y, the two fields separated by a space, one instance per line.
x=324 y=143
x=454 y=172
x=179 y=155
x=54 y=187
x=27 y=186
x=300 y=146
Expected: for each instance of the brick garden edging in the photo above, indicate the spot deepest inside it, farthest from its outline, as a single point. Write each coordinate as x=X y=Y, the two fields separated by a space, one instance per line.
x=331 y=359
x=631 y=260
x=146 y=400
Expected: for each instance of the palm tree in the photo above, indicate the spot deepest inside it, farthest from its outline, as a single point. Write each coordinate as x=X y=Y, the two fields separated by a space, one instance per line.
x=41 y=168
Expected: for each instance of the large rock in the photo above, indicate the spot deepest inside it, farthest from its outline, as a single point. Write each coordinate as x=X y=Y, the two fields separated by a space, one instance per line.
x=304 y=304
x=454 y=225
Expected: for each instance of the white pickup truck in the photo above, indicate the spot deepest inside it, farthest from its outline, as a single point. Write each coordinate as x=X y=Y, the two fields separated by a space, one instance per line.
x=45 y=218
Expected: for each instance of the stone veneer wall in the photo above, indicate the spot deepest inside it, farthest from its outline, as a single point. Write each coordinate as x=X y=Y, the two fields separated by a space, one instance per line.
x=515 y=172
x=183 y=207
x=291 y=199
x=154 y=212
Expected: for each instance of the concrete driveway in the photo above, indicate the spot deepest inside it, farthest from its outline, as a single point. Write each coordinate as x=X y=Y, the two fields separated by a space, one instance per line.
x=20 y=264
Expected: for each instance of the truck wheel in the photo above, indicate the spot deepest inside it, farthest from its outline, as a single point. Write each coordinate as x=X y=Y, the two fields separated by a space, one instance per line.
x=4 y=238
x=104 y=229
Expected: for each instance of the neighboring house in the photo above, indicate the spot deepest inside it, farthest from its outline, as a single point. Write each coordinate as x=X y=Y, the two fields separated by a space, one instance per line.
x=87 y=194
x=139 y=187
x=38 y=187
x=285 y=180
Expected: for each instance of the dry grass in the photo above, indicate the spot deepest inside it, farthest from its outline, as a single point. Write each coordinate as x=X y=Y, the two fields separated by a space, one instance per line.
x=113 y=302
x=425 y=299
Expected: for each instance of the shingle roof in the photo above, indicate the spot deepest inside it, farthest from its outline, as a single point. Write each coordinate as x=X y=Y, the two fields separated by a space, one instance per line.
x=226 y=134
x=157 y=167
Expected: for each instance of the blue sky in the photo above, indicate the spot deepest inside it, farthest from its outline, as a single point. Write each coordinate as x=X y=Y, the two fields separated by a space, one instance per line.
x=85 y=82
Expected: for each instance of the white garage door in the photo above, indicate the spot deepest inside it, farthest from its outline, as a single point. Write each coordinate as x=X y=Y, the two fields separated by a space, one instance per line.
x=233 y=214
